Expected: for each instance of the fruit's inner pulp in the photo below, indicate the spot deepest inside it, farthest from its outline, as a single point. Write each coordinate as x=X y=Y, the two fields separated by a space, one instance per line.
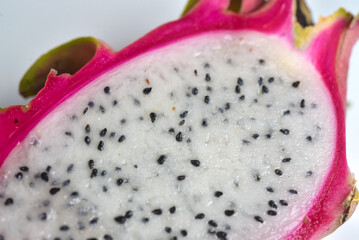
x=225 y=135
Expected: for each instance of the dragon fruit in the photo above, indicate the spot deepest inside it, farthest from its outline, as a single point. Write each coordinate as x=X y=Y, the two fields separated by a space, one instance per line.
x=226 y=124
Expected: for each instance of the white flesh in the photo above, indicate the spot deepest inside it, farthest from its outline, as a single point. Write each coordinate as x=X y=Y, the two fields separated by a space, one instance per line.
x=242 y=171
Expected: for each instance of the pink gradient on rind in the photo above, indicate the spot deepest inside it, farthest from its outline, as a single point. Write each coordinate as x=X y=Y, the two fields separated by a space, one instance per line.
x=325 y=52
x=274 y=17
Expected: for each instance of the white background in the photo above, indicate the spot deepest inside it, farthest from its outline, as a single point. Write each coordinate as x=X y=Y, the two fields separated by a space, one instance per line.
x=28 y=28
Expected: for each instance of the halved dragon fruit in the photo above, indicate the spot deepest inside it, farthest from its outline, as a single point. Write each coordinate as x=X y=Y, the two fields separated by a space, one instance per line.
x=227 y=125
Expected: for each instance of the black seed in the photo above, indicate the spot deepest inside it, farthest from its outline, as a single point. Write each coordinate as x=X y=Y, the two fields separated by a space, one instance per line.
x=107 y=90
x=206 y=65
x=218 y=194
x=272 y=204
x=308 y=173
x=204 y=123
x=9 y=201
x=94 y=173
x=103 y=173
x=147 y=90
x=278 y=172
x=221 y=235
x=195 y=72
x=229 y=213
x=114 y=103
x=237 y=89
x=91 y=164
x=161 y=159
x=271 y=213
x=260 y=81
x=257 y=177
x=194 y=91
x=268 y=136
x=43 y=216
x=87 y=140
x=168 y=229
x=112 y=134
x=295 y=84
x=102 y=109
x=208 y=77
x=265 y=89
x=183 y=232
x=19 y=175
x=173 y=238
x=104 y=189
x=227 y=106
x=199 y=216
x=157 y=211
x=269 y=189
x=184 y=114
x=286 y=160
x=245 y=142
x=69 y=168
x=258 y=219
x=171 y=130
x=66 y=182
x=172 y=210
x=54 y=190
x=261 y=61
x=302 y=103
x=181 y=122
x=74 y=194
x=255 y=136
x=48 y=168
x=129 y=214
x=240 y=81
x=119 y=181
x=15 y=121
x=91 y=104
x=285 y=131
x=64 y=228
x=179 y=137
x=212 y=223
x=206 y=99
x=292 y=191
x=145 y=220
x=181 y=177
x=120 y=219
x=242 y=97
x=153 y=116
x=309 y=138
x=87 y=128
x=93 y=221
x=271 y=79
x=24 y=169
x=121 y=138
x=195 y=163
x=107 y=237
x=287 y=112
x=90 y=238
x=283 y=202
x=103 y=132
x=100 y=145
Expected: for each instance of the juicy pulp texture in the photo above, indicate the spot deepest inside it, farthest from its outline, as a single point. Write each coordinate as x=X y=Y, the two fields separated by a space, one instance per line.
x=214 y=136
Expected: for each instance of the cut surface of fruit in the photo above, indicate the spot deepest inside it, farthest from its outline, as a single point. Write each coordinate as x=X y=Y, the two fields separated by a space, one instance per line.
x=227 y=125
x=214 y=136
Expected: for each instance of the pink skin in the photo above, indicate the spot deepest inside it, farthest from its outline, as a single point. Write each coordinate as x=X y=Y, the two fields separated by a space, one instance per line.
x=327 y=48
